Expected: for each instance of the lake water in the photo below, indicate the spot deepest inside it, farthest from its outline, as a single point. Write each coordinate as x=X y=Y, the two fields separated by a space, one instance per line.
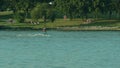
x=59 y=49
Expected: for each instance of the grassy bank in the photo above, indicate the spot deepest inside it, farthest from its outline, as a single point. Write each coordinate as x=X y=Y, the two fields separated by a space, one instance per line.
x=60 y=24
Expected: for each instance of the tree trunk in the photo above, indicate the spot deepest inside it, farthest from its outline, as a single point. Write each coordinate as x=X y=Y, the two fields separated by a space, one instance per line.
x=44 y=18
x=110 y=14
x=14 y=11
x=26 y=13
x=71 y=17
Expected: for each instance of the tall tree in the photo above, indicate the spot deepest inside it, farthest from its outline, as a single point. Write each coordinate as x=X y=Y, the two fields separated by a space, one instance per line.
x=68 y=7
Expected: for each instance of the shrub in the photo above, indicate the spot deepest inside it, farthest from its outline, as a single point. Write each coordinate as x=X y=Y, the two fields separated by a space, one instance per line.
x=39 y=11
x=20 y=17
x=35 y=14
x=51 y=15
x=44 y=11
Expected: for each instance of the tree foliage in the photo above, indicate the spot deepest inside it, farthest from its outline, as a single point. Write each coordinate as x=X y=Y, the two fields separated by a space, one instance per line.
x=71 y=8
x=85 y=7
x=43 y=10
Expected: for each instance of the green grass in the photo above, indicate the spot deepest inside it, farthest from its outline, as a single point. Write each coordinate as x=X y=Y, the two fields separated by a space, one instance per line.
x=4 y=16
x=57 y=23
x=104 y=23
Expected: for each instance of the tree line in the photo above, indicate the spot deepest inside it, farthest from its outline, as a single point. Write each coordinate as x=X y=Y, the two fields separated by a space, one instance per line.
x=49 y=9
x=85 y=7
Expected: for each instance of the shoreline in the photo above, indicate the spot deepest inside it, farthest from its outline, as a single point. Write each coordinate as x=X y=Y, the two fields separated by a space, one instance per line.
x=81 y=28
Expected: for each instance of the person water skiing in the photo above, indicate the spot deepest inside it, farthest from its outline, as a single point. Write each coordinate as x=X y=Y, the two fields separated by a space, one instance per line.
x=44 y=30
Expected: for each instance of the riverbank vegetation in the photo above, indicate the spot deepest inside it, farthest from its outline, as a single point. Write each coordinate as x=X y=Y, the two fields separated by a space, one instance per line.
x=35 y=14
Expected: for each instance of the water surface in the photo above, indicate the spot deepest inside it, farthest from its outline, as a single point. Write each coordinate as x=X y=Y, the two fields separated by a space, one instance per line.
x=58 y=49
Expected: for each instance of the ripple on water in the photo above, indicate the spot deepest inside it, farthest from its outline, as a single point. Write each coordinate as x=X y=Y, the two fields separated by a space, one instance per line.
x=58 y=49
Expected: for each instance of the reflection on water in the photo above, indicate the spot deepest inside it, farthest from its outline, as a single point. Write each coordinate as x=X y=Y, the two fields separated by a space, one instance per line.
x=57 y=49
